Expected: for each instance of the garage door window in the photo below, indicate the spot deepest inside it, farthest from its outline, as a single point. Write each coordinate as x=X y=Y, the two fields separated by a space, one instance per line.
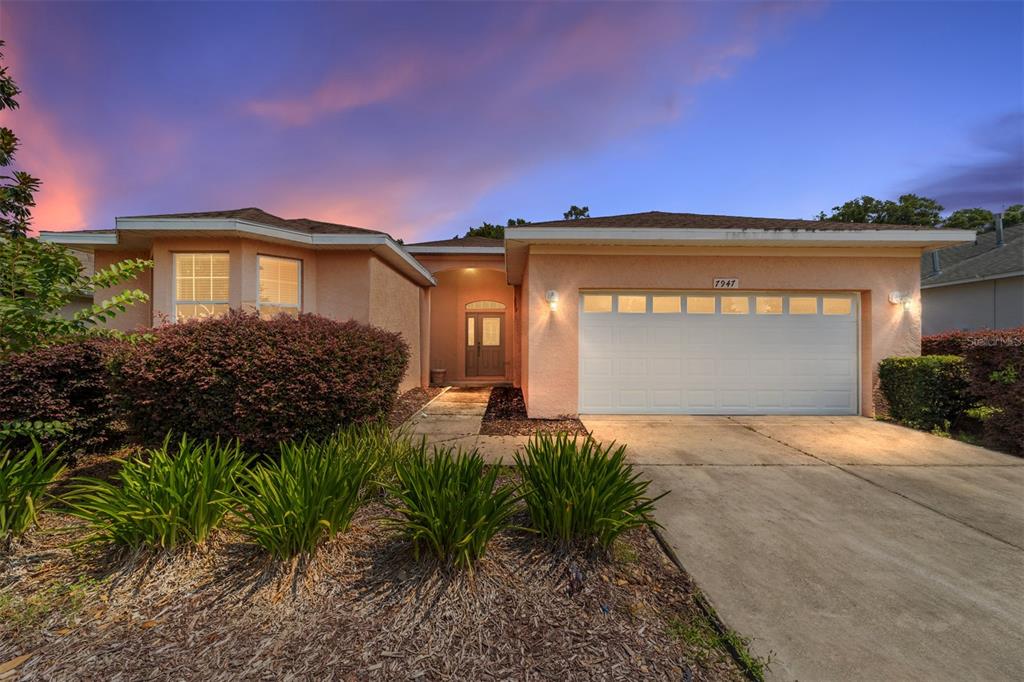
x=769 y=305
x=801 y=305
x=700 y=305
x=665 y=304
x=735 y=305
x=597 y=303
x=632 y=304
x=836 y=306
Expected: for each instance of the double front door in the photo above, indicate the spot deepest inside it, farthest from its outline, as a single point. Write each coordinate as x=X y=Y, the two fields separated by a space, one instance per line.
x=485 y=344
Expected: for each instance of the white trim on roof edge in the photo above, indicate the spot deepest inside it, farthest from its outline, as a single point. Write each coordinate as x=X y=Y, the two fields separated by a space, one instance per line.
x=369 y=239
x=687 y=234
x=80 y=238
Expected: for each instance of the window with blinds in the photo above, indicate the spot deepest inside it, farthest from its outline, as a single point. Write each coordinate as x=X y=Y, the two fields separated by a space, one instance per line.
x=200 y=285
x=280 y=282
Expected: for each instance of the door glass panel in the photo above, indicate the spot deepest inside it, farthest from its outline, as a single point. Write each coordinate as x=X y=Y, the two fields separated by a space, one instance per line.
x=485 y=305
x=632 y=304
x=491 y=333
x=700 y=305
x=470 y=331
x=665 y=304
x=769 y=305
x=735 y=305
x=836 y=306
x=800 y=305
x=597 y=303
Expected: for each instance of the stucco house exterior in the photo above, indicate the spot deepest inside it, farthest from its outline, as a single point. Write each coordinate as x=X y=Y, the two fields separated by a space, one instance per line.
x=979 y=285
x=646 y=313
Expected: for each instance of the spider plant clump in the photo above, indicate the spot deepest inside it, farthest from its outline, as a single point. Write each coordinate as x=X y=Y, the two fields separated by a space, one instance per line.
x=448 y=505
x=167 y=498
x=313 y=489
x=24 y=477
x=578 y=490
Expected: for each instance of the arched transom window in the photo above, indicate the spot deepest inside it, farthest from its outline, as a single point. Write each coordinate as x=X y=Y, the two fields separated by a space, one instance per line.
x=485 y=305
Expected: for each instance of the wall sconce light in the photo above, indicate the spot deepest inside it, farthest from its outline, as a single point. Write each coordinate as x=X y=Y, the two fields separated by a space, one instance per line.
x=896 y=298
x=552 y=298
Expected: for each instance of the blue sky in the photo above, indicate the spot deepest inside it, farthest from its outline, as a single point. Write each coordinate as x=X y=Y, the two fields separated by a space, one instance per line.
x=423 y=119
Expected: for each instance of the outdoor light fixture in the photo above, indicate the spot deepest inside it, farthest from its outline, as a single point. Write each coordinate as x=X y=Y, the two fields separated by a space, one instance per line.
x=552 y=297
x=896 y=298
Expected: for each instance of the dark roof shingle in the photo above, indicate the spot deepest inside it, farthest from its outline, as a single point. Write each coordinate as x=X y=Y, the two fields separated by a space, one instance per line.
x=978 y=260
x=464 y=241
x=258 y=215
x=699 y=221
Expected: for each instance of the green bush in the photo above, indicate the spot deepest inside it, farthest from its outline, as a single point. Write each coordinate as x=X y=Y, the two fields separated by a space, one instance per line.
x=578 y=490
x=164 y=500
x=929 y=392
x=384 y=447
x=448 y=505
x=289 y=506
x=24 y=477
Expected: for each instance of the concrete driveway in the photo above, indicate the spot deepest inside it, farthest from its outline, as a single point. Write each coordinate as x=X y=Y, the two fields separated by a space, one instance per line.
x=845 y=547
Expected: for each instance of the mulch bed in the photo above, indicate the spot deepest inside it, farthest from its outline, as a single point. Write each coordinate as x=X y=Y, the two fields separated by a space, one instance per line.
x=409 y=403
x=364 y=610
x=506 y=416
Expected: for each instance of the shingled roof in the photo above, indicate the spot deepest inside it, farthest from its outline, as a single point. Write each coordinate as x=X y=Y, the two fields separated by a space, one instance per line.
x=979 y=260
x=469 y=242
x=258 y=215
x=699 y=221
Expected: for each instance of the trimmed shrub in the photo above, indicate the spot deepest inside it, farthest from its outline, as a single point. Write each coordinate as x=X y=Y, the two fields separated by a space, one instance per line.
x=170 y=498
x=578 y=490
x=259 y=381
x=448 y=506
x=289 y=506
x=24 y=476
x=995 y=369
x=65 y=386
x=925 y=392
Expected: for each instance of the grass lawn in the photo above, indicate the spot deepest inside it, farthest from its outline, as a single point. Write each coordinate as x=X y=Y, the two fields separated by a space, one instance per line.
x=362 y=609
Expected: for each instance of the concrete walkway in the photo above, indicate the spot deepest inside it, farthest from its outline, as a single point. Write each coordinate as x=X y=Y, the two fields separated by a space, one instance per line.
x=847 y=548
x=453 y=420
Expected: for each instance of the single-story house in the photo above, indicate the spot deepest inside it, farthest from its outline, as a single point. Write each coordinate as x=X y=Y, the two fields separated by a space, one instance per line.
x=646 y=313
x=979 y=285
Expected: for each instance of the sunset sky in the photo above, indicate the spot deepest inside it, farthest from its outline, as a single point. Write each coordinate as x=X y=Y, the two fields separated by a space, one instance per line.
x=424 y=119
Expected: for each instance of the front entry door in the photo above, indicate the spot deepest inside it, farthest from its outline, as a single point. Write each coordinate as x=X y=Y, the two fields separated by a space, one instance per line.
x=485 y=344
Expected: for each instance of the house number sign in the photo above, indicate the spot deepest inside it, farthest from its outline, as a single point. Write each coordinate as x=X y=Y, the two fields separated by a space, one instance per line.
x=727 y=283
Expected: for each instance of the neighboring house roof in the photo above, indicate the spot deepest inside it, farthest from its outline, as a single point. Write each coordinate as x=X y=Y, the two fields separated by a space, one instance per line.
x=698 y=221
x=980 y=260
x=257 y=215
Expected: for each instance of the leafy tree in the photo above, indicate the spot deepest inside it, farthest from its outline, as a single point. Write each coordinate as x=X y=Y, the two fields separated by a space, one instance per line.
x=576 y=212
x=909 y=210
x=493 y=231
x=18 y=188
x=1014 y=215
x=37 y=279
x=969 y=219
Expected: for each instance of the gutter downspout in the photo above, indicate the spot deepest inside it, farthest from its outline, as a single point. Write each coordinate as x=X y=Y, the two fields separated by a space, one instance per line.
x=999 y=230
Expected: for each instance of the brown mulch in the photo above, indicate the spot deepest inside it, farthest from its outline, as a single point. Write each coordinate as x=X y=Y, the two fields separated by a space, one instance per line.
x=506 y=416
x=364 y=610
x=409 y=403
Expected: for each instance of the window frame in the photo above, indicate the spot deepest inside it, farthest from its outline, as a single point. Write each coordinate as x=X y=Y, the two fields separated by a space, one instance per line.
x=175 y=255
x=259 y=300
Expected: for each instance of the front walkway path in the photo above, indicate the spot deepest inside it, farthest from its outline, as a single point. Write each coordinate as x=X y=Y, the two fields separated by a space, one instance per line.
x=453 y=419
x=850 y=548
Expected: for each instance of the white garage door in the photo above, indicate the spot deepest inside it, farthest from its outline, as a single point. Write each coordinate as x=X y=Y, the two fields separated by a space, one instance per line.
x=718 y=353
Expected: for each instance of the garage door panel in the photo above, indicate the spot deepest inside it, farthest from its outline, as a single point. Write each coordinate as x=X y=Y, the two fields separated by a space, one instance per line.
x=676 y=362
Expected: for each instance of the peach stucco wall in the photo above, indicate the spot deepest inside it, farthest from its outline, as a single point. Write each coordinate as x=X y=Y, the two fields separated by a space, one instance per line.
x=551 y=355
x=340 y=284
x=139 y=315
x=395 y=305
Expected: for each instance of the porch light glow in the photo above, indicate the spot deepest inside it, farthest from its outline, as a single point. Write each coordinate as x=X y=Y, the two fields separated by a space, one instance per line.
x=896 y=298
x=552 y=298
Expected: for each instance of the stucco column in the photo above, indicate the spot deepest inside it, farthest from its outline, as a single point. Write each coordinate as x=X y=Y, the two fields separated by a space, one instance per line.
x=424 y=337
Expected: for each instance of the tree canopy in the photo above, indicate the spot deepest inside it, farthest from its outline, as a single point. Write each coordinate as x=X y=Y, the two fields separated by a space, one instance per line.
x=493 y=231
x=969 y=219
x=910 y=209
x=18 y=188
x=576 y=212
